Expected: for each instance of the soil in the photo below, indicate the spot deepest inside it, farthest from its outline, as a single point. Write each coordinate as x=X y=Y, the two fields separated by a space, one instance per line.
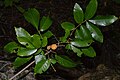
x=105 y=66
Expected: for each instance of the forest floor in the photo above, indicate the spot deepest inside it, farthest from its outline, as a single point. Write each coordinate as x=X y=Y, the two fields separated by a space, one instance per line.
x=105 y=66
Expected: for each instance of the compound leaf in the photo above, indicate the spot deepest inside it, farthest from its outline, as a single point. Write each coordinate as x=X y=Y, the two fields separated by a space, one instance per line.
x=78 y=13
x=91 y=9
x=104 y=20
x=32 y=16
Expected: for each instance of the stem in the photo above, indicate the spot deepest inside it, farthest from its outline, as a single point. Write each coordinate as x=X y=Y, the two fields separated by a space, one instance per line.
x=77 y=27
x=22 y=70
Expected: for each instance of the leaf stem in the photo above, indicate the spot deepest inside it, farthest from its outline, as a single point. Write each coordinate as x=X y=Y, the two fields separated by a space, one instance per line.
x=77 y=27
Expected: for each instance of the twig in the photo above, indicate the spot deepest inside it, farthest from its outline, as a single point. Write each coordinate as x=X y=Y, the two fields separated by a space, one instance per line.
x=22 y=70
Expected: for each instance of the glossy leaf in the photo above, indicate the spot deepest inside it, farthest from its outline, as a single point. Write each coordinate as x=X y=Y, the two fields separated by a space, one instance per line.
x=67 y=26
x=64 y=38
x=104 y=20
x=65 y=61
x=10 y=47
x=45 y=23
x=25 y=41
x=77 y=50
x=48 y=34
x=95 y=32
x=20 y=61
x=36 y=40
x=91 y=9
x=84 y=34
x=39 y=57
x=26 y=51
x=42 y=66
x=79 y=43
x=44 y=41
x=32 y=16
x=20 y=32
x=78 y=13
x=89 y=52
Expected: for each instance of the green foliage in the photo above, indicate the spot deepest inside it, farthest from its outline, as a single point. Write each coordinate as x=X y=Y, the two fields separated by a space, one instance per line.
x=76 y=38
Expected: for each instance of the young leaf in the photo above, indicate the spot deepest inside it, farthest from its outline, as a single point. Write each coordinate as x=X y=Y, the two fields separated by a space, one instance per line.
x=10 y=47
x=26 y=51
x=89 y=52
x=39 y=57
x=45 y=23
x=20 y=61
x=48 y=34
x=79 y=43
x=95 y=32
x=67 y=26
x=44 y=41
x=78 y=13
x=104 y=20
x=91 y=9
x=83 y=34
x=65 y=61
x=32 y=16
x=36 y=40
x=42 y=66
x=76 y=50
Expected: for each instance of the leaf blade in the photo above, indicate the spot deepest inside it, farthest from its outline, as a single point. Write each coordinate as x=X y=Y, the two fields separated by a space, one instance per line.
x=91 y=9
x=78 y=13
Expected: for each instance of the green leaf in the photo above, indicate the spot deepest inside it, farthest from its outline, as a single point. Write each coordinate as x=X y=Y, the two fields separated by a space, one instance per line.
x=42 y=66
x=20 y=61
x=68 y=46
x=95 y=32
x=20 y=9
x=104 y=20
x=24 y=37
x=10 y=47
x=44 y=42
x=32 y=16
x=26 y=51
x=79 y=43
x=84 y=34
x=65 y=61
x=89 y=52
x=78 y=13
x=64 y=38
x=36 y=40
x=67 y=26
x=39 y=57
x=76 y=50
x=48 y=34
x=25 y=41
x=45 y=23
x=91 y=9
x=53 y=61
x=20 y=32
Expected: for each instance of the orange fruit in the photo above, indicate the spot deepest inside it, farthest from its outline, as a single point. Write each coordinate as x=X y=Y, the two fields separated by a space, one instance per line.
x=53 y=46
